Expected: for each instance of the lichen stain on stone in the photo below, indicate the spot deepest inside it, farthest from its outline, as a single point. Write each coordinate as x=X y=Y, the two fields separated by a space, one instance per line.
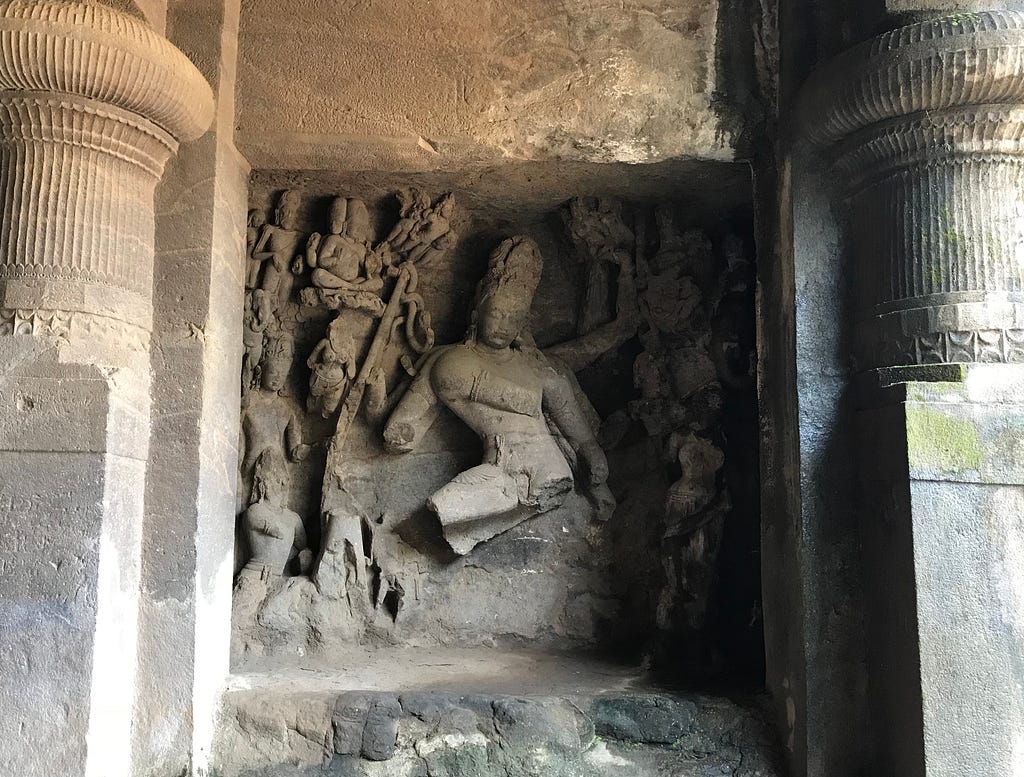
x=939 y=443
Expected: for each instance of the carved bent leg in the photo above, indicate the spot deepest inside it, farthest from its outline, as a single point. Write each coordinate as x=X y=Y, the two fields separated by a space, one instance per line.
x=331 y=400
x=479 y=493
x=327 y=280
x=480 y=504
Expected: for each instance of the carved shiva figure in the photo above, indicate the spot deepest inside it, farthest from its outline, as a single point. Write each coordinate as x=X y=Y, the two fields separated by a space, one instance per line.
x=508 y=392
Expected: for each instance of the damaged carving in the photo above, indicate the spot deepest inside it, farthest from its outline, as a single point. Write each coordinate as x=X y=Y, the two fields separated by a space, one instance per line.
x=501 y=386
x=405 y=489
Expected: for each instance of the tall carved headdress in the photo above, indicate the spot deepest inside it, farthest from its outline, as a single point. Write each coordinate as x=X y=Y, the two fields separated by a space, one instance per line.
x=513 y=271
x=515 y=267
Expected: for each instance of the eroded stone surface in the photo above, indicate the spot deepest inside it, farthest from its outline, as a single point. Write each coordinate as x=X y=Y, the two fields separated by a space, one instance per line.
x=426 y=84
x=394 y=564
x=472 y=734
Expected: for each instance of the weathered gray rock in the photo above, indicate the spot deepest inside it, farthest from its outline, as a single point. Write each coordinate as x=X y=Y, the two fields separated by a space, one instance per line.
x=380 y=736
x=438 y=734
x=643 y=719
x=349 y=722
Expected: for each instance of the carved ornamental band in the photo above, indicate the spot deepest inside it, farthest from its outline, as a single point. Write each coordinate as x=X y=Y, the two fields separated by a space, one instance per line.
x=925 y=125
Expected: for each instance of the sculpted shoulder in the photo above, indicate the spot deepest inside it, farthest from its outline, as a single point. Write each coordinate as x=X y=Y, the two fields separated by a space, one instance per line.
x=453 y=372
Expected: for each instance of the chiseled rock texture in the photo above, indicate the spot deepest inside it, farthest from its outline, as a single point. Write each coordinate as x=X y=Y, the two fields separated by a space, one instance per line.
x=451 y=735
x=425 y=83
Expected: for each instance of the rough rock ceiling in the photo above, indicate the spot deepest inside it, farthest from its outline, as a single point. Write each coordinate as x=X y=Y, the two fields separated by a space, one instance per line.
x=435 y=84
x=515 y=192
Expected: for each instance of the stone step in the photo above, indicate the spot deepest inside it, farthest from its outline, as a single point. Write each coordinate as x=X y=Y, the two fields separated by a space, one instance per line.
x=273 y=726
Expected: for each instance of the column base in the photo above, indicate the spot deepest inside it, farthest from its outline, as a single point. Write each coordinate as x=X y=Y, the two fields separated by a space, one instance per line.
x=944 y=544
x=69 y=560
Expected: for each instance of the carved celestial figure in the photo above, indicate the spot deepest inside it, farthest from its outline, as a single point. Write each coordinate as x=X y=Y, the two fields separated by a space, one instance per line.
x=258 y=316
x=254 y=227
x=345 y=272
x=333 y=367
x=268 y=423
x=275 y=533
x=277 y=246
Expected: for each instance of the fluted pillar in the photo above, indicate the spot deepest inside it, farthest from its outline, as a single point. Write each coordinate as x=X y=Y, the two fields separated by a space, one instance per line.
x=923 y=128
x=92 y=105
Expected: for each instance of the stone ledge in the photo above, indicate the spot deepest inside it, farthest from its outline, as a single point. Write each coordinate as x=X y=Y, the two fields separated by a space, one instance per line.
x=448 y=734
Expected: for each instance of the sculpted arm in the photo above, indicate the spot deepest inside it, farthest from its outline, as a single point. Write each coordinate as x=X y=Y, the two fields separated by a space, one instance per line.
x=562 y=407
x=415 y=414
x=315 y=356
x=257 y=252
x=297 y=450
x=312 y=245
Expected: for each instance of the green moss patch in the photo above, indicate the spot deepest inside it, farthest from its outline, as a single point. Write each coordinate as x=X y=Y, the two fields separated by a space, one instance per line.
x=939 y=443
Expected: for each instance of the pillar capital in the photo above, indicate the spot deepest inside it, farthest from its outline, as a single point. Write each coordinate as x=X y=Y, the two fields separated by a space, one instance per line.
x=925 y=125
x=92 y=52
x=93 y=103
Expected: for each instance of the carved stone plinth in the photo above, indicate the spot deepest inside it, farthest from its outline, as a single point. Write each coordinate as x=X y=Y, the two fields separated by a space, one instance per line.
x=92 y=105
x=925 y=127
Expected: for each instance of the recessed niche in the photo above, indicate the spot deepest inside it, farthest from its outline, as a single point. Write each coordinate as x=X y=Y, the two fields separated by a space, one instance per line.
x=643 y=312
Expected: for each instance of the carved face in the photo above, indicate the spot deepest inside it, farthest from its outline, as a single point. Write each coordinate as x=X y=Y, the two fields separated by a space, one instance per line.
x=257 y=218
x=275 y=374
x=286 y=216
x=502 y=316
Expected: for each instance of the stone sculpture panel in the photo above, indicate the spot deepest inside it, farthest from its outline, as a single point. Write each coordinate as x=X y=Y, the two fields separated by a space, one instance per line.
x=468 y=492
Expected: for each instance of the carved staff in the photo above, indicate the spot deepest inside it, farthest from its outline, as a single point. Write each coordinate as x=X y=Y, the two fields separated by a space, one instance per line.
x=381 y=340
x=389 y=323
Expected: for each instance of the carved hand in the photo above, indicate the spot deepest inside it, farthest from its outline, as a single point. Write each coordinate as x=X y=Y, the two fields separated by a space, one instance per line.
x=398 y=437
x=300 y=452
x=597 y=463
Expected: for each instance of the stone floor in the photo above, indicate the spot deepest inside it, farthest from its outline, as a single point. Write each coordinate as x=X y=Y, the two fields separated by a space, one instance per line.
x=476 y=713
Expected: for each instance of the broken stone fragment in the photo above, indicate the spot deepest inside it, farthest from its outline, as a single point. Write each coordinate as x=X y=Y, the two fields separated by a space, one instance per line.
x=349 y=721
x=554 y=725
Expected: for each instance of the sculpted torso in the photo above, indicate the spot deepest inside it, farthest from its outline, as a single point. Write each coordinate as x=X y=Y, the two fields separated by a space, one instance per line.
x=500 y=396
x=491 y=392
x=341 y=256
x=266 y=423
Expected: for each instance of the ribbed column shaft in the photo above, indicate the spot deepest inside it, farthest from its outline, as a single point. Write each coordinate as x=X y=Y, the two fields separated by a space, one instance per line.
x=951 y=228
x=76 y=186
